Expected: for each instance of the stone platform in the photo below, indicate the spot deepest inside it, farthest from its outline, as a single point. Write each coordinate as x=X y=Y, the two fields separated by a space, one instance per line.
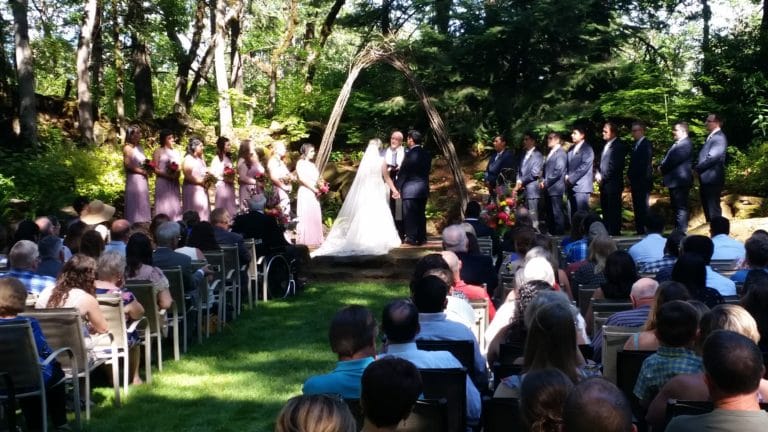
x=398 y=264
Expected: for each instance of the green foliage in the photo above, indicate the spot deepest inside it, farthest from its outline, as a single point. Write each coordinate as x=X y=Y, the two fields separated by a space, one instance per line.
x=747 y=171
x=49 y=179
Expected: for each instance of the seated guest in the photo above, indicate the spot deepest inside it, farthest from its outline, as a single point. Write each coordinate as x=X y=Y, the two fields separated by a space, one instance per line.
x=51 y=256
x=542 y=397
x=352 y=336
x=726 y=248
x=458 y=308
x=400 y=323
x=26 y=230
x=202 y=237
x=472 y=217
x=118 y=236
x=158 y=220
x=691 y=271
x=110 y=280
x=692 y=386
x=429 y=295
x=472 y=292
x=92 y=244
x=75 y=289
x=96 y=215
x=733 y=366
x=703 y=247
x=183 y=247
x=545 y=247
x=476 y=269
x=190 y=218
x=662 y=268
x=651 y=247
x=643 y=296
x=677 y=323
x=756 y=256
x=620 y=275
x=23 y=262
x=220 y=219
x=578 y=250
x=592 y=271
x=73 y=236
x=164 y=256
x=256 y=225
x=13 y=298
x=646 y=340
x=597 y=405
x=578 y=230
x=315 y=413
x=551 y=343
x=139 y=266
x=391 y=387
x=755 y=301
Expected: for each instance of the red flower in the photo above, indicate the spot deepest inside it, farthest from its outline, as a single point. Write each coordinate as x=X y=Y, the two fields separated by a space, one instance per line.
x=510 y=201
x=503 y=216
x=228 y=171
x=172 y=167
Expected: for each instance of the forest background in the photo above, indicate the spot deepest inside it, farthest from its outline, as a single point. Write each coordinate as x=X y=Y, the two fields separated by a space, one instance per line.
x=74 y=74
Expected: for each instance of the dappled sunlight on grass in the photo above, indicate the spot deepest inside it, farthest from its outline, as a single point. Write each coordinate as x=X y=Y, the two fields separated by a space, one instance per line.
x=238 y=379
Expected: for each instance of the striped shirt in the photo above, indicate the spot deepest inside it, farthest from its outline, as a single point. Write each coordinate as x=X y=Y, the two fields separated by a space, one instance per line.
x=628 y=318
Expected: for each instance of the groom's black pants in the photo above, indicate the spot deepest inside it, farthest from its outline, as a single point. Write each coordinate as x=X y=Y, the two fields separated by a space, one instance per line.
x=415 y=219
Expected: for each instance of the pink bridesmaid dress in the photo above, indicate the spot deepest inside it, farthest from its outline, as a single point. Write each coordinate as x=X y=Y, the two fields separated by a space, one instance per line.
x=249 y=186
x=225 y=192
x=309 y=230
x=137 y=207
x=167 y=195
x=195 y=197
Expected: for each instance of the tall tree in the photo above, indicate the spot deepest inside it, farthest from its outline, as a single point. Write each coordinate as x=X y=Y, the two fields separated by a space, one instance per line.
x=117 y=51
x=315 y=48
x=142 y=66
x=220 y=68
x=25 y=73
x=84 y=48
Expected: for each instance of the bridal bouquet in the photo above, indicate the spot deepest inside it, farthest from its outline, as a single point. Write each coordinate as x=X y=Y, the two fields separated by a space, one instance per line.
x=149 y=166
x=172 y=168
x=209 y=180
x=229 y=174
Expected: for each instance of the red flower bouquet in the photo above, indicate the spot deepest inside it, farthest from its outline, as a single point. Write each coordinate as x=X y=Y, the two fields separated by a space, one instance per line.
x=172 y=168
x=229 y=174
x=500 y=214
x=149 y=166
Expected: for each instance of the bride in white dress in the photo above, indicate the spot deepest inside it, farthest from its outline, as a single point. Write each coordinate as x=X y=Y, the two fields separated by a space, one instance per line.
x=364 y=225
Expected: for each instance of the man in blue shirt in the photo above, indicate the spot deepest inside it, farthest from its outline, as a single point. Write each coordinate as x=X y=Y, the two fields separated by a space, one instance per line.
x=353 y=338
x=726 y=247
x=651 y=247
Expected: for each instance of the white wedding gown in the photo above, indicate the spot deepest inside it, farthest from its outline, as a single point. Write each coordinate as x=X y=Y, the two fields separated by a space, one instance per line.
x=364 y=225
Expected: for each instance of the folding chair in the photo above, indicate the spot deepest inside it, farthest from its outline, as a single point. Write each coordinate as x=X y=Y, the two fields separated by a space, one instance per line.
x=64 y=328
x=427 y=416
x=463 y=350
x=451 y=385
x=232 y=275
x=145 y=294
x=501 y=415
x=20 y=361
x=253 y=271
x=203 y=304
x=217 y=287
x=614 y=338
x=480 y=307
x=176 y=287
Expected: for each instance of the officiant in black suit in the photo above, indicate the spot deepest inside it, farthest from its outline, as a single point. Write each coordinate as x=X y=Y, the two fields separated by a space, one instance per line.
x=413 y=186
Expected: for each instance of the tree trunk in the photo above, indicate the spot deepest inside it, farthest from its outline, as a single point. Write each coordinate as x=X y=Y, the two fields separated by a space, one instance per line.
x=25 y=73
x=220 y=69
x=184 y=59
x=384 y=19
x=706 y=54
x=117 y=52
x=142 y=66
x=235 y=58
x=84 y=46
x=6 y=72
x=97 y=61
x=383 y=53
x=316 y=49
x=764 y=34
x=442 y=16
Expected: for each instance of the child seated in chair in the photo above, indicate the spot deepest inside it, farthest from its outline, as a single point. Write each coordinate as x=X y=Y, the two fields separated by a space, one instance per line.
x=13 y=297
x=677 y=324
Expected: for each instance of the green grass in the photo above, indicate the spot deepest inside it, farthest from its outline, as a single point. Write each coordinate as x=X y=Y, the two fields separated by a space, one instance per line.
x=239 y=379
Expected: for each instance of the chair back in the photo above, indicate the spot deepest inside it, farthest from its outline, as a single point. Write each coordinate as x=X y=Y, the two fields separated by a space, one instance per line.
x=723 y=265
x=611 y=305
x=231 y=263
x=111 y=306
x=624 y=243
x=427 y=416
x=502 y=415
x=482 y=318
x=501 y=371
x=19 y=359
x=145 y=294
x=614 y=338
x=485 y=244
x=463 y=350
x=598 y=320
x=451 y=385
x=628 y=364
x=584 y=297
x=508 y=353
x=63 y=327
x=176 y=287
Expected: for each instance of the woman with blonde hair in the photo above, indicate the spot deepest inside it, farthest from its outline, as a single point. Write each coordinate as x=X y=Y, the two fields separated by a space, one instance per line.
x=315 y=413
x=75 y=289
x=592 y=272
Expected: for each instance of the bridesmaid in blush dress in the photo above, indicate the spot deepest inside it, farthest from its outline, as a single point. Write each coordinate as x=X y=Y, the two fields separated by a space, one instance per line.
x=225 y=186
x=309 y=230
x=167 y=196
x=194 y=194
x=280 y=176
x=136 y=187
x=249 y=170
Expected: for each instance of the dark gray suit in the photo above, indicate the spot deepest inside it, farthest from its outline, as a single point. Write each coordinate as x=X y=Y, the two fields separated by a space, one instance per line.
x=612 y=185
x=580 y=176
x=554 y=188
x=164 y=257
x=676 y=171
x=496 y=164
x=528 y=175
x=413 y=185
x=711 y=170
x=640 y=180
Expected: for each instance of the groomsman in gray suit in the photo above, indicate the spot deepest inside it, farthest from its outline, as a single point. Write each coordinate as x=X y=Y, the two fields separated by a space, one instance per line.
x=711 y=167
x=610 y=177
x=580 y=173
x=528 y=176
x=553 y=183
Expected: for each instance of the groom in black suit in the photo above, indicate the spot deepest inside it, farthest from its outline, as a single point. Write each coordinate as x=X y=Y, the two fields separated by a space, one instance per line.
x=413 y=187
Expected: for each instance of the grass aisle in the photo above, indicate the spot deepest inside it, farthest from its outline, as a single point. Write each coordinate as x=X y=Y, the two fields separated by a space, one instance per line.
x=238 y=380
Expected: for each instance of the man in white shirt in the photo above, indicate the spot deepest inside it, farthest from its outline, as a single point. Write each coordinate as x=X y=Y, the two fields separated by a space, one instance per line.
x=726 y=248
x=651 y=247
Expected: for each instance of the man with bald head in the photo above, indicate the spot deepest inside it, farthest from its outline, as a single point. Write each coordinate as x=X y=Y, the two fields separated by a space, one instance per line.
x=475 y=269
x=472 y=292
x=642 y=296
x=118 y=236
x=23 y=259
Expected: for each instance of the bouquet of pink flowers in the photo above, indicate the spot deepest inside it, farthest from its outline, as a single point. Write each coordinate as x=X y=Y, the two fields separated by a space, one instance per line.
x=149 y=166
x=323 y=188
x=172 y=168
x=229 y=174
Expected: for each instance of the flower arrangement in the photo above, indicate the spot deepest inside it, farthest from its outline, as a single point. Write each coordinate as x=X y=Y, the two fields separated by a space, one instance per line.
x=500 y=214
x=172 y=168
x=323 y=188
x=149 y=166
x=272 y=207
x=209 y=180
x=229 y=174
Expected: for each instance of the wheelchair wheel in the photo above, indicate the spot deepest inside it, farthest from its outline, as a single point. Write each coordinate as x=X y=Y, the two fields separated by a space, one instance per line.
x=279 y=278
